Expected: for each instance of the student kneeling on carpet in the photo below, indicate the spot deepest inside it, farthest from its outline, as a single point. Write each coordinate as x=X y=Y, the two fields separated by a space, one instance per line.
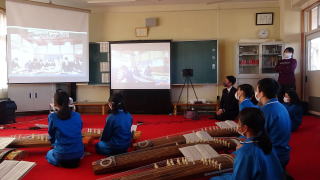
x=116 y=136
x=229 y=107
x=65 y=134
x=255 y=157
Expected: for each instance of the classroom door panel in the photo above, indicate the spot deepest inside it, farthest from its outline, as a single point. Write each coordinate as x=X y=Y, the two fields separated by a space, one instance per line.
x=312 y=85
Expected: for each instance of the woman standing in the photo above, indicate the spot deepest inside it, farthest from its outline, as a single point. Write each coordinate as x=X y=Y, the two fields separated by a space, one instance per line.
x=286 y=68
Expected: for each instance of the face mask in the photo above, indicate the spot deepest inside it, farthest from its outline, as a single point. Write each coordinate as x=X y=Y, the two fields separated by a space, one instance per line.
x=238 y=130
x=287 y=55
x=286 y=100
x=256 y=96
x=236 y=96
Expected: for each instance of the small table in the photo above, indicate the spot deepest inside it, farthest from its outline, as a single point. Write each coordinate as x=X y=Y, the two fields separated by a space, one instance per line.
x=103 y=105
x=176 y=106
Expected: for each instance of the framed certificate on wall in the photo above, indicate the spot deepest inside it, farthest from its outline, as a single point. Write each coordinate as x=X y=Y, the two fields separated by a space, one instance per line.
x=264 y=18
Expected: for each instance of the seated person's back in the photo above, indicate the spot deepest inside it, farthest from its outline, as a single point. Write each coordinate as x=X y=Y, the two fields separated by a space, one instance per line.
x=64 y=128
x=116 y=137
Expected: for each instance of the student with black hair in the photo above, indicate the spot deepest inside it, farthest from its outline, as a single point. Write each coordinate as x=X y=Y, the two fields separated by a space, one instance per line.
x=116 y=136
x=245 y=96
x=64 y=128
x=278 y=124
x=294 y=107
x=255 y=158
x=286 y=68
x=228 y=107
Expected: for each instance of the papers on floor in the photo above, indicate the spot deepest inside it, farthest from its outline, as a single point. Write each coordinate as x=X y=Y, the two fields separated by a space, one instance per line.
x=5 y=141
x=14 y=170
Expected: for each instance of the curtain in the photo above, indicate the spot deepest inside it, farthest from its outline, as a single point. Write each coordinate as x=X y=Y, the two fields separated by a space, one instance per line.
x=3 y=63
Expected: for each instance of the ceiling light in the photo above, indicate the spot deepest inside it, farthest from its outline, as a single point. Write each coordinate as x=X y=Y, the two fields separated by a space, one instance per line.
x=109 y=1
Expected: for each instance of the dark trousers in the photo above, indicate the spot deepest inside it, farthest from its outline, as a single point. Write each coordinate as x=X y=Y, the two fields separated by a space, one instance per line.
x=228 y=115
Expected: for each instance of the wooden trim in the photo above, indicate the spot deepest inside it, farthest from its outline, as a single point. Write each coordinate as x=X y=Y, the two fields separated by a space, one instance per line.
x=303 y=61
x=52 y=5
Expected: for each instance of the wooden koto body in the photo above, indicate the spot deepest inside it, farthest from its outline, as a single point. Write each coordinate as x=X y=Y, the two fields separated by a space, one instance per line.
x=42 y=140
x=180 y=139
x=180 y=168
x=11 y=154
x=144 y=157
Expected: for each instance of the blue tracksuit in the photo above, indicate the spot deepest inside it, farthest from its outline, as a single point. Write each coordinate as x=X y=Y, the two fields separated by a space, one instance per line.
x=116 y=136
x=278 y=126
x=296 y=113
x=251 y=163
x=247 y=103
x=66 y=137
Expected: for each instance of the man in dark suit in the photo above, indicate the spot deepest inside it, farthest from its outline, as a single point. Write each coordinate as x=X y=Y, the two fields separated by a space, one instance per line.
x=228 y=107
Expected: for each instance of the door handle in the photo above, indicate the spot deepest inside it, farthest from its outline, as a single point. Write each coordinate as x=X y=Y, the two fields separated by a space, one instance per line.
x=30 y=95
x=36 y=95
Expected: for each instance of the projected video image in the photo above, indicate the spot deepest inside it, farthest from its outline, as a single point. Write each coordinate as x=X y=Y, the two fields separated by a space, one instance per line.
x=140 y=66
x=46 y=53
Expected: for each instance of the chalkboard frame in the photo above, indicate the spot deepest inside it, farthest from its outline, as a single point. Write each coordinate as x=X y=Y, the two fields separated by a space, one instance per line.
x=217 y=61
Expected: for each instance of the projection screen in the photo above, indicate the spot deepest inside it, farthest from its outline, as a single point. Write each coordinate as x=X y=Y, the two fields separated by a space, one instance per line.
x=46 y=44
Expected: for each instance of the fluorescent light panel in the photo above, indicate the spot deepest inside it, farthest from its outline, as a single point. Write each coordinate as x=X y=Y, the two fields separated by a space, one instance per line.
x=109 y=1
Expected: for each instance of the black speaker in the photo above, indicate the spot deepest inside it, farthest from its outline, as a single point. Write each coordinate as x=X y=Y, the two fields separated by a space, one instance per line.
x=187 y=72
x=7 y=111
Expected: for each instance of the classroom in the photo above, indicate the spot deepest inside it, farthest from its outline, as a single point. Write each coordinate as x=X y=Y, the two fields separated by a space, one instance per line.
x=159 y=89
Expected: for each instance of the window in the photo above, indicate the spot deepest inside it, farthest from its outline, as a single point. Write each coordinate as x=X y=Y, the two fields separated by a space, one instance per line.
x=314 y=59
x=3 y=63
x=314 y=18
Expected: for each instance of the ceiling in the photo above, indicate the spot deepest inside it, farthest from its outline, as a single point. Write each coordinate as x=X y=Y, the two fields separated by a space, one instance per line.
x=99 y=3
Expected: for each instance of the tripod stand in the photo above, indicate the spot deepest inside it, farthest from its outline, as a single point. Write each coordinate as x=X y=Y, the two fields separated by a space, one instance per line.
x=187 y=82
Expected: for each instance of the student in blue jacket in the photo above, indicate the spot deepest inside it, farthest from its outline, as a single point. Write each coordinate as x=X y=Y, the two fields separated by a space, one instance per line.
x=255 y=159
x=64 y=128
x=245 y=96
x=294 y=107
x=116 y=136
x=278 y=123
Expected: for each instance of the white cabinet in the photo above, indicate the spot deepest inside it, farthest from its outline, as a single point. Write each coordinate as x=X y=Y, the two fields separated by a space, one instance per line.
x=31 y=97
x=257 y=60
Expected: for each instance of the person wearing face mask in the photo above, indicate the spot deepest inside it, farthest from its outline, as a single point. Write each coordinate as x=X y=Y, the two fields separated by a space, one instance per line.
x=294 y=107
x=278 y=123
x=116 y=136
x=286 y=68
x=255 y=158
x=245 y=96
x=228 y=107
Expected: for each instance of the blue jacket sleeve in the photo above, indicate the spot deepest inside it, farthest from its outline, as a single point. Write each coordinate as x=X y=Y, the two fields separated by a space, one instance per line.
x=243 y=167
x=108 y=129
x=51 y=129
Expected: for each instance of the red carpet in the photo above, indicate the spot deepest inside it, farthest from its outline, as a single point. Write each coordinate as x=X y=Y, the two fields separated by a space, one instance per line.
x=303 y=164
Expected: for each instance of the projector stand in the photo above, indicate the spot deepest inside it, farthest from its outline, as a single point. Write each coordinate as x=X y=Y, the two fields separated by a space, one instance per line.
x=188 y=82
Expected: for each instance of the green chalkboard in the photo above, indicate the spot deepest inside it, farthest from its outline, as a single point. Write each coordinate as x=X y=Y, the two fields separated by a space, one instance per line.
x=95 y=59
x=201 y=56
